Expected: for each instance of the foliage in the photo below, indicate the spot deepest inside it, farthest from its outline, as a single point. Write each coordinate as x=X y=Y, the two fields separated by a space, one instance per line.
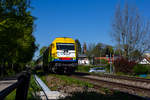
x=101 y=61
x=124 y=66
x=11 y=96
x=42 y=50
x=83 y=68
x=90 y=48
x=141 y=69
x=33 y=89
x=130 y=32
x=17 y=44
x=84 y=48
x=108 y=50
x=78 y=46
x=32 y=63
x=135 y=55
x=107 y=67
x=99 y=50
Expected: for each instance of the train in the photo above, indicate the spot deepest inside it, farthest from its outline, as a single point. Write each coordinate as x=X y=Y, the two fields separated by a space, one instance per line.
x=60 y=56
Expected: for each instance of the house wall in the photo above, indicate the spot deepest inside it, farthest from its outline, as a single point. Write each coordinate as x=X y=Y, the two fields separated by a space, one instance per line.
x=147 y=54
x=83 y=61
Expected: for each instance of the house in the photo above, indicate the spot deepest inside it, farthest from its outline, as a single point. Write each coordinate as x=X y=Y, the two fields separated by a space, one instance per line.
x=83 y=60
x=109 y=59
x=147 y=54
x=145 y=60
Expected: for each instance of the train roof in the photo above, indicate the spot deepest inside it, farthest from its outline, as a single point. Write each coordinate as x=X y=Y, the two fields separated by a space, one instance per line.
x=63 y=40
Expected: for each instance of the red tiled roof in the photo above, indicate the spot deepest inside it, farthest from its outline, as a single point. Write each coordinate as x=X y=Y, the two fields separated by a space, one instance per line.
x=105 y=58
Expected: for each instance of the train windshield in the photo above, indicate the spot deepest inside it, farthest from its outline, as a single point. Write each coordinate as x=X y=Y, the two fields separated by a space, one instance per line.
x=65 y=46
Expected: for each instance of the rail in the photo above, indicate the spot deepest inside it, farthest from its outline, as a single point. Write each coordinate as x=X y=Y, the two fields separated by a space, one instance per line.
x=115 y=85
x=21 y=84
x=44 y=88
x=50 y=95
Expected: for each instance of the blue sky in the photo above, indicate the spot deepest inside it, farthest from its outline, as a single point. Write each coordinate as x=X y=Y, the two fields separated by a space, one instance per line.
x=86 y=20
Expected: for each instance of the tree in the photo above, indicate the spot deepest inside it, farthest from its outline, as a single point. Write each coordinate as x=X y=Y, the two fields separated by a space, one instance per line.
x=17 y=44
x=90 y=49
x=130 y=31
x=97 y=51
x=42 y=50
x=108 y=50
x=78 y=46
x=123 y=65
x=84 y=48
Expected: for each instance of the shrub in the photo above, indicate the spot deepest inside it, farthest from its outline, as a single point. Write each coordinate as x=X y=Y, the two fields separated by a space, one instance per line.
x=140 y=69
x=102 y=61
x=82 y=68
x=107 y=67
x=124 y=66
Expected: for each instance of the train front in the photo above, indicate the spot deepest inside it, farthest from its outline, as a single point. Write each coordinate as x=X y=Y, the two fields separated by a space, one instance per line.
x=66 y=60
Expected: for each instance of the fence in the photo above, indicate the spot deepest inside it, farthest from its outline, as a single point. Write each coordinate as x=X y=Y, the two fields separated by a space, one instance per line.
x=21 y=86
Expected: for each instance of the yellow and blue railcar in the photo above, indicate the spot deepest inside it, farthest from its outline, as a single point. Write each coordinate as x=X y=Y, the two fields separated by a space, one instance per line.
x=61 y=56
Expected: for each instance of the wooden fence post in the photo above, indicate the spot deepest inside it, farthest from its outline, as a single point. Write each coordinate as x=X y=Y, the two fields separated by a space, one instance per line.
x=22 y=89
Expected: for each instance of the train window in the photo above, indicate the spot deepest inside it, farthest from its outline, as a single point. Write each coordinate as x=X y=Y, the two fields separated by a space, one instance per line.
x=65 y=46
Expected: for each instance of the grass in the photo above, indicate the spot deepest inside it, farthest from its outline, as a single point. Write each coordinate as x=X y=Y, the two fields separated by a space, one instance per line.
x=31 y=92
x=11 y=96
x=87 y=95
x=70 y=81
x=33 y=88
x=148 y=77
x=82 y=68
x=67 y=81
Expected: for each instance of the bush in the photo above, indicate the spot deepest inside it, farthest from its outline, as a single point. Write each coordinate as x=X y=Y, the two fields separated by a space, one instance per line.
x=102 y=61
x=124 y=66
x=107 y=67
x=141 y=69
x=82 y=68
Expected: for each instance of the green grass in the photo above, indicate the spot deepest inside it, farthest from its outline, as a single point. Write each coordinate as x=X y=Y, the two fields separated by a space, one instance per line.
x=11 y=96
x=33 y=88
x=70 y=81
x=82 y=68
x=148 y=77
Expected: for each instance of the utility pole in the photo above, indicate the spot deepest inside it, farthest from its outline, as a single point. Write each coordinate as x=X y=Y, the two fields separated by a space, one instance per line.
x=110 y=62
x=100 y=56
x=113 y=61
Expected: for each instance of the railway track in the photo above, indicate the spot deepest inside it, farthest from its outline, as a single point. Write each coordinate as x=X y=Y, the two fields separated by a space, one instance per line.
x=131 y=85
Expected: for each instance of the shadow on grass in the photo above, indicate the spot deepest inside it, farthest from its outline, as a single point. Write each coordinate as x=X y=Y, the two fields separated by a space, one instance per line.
x=81 y=73
x=98 y=96
x=40 y=72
